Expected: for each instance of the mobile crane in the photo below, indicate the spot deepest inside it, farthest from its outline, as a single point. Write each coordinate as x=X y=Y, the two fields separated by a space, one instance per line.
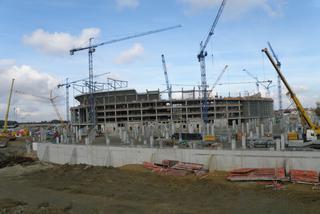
x=312 y=132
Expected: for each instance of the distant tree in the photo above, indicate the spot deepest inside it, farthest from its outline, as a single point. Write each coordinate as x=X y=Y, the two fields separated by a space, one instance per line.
x=317 y=112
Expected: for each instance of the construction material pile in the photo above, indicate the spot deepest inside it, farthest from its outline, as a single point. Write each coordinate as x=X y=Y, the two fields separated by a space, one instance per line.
x=257 y=174
x=176 y=168
x=274 y=174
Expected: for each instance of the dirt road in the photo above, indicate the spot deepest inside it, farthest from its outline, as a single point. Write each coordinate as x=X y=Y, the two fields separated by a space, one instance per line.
x=132 y=189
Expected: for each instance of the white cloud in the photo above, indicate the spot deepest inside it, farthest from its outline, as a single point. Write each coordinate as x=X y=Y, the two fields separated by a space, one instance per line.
x=128 y=56
x=58 y=42
x=127 y=3
x=30 y=81
x=235 y=8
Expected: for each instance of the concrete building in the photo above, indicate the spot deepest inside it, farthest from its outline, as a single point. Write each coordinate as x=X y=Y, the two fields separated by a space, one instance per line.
x=121 y=107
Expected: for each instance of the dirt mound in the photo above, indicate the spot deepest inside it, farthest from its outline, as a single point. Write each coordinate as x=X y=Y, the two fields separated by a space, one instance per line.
x=14 y=160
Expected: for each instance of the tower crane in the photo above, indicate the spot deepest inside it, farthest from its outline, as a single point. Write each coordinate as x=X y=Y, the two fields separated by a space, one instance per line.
x=279 y=79
x=218 y=79
x=258 y=82
x=313 y=133
x=169 y=87
x=201 y=58
x=68 y=84
x=50 y=99
x=91 y=49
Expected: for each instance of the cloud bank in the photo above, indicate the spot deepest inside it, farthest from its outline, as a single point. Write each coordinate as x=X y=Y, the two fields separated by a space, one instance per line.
x=235 y=8
x=130 y=55
x=121 y=4
x=30 y=81
x=58 y=43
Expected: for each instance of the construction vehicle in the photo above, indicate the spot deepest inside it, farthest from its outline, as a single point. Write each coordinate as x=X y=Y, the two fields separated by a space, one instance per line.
x=312 y=131
x=5 y=134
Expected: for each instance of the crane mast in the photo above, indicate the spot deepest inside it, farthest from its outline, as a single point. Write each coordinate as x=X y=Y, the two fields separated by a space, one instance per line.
x=5 y=126
x=166 y=77
x=67 y=84
x=201 y=58
x=91 y=49
x=278 y=78
x=304 y=116
x=218 y=79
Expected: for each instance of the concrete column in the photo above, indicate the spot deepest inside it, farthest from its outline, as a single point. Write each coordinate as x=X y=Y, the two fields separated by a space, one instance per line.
x=208 y=128
x=257 y=131
x=251 y=135
x=212 y=129
x=282 y=142
x=243 y=141
x=151 y=141
x=247 y=128
x=270 y=128
x=242 y=128
x=57 y=140
x=234 y=125
x=262 y=130
x=144 y=142
x=233 y=144
x=172 y=128
x=278 y=144
x=107 y=140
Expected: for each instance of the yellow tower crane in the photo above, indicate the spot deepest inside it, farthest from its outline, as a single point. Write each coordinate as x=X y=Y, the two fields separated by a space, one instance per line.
x=5 y=126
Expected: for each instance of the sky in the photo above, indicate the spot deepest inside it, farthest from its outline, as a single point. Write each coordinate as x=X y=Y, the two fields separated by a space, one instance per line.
x=36 y=36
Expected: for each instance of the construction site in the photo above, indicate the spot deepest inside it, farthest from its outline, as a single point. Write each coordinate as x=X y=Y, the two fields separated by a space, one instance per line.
x=181 y=149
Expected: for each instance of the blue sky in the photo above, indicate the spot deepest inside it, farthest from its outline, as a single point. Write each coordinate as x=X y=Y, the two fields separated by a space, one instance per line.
x=36 y=36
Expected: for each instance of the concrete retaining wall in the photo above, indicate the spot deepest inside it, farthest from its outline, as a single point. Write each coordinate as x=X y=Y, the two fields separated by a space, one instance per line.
x=212 y=159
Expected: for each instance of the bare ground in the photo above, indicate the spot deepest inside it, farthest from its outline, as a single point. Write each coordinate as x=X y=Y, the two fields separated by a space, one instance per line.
x=47 y=188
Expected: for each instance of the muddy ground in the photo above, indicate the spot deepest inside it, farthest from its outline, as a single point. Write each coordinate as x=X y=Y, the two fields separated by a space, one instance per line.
x=45 y=188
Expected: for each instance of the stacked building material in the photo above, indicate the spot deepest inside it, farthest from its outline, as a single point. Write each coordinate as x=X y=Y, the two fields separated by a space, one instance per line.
x=257 y=174
x=176 y=168
x=304 y=176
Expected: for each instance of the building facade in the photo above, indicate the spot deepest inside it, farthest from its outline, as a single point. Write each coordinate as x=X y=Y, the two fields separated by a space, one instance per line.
x=121 y=107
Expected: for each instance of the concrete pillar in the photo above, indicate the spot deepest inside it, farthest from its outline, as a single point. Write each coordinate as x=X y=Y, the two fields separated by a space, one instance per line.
x=270 y=128
x=262 y=130
x=257 y=131
x=57 y=140
x=278 y=144
x=167 y=134
x=234 y=125
x=247 y=128
x=233 y=144
x=282 y=142
x=190 y=128
x=144 y=142
x=172 y=128
x=208 y=128
x=212 y=129
x=243 y=141
x=242 y=128
x=251 y=135
x=151 y=141
x=107 y=140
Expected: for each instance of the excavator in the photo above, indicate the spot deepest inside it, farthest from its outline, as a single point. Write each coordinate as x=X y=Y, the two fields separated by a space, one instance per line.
x=312 y=131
